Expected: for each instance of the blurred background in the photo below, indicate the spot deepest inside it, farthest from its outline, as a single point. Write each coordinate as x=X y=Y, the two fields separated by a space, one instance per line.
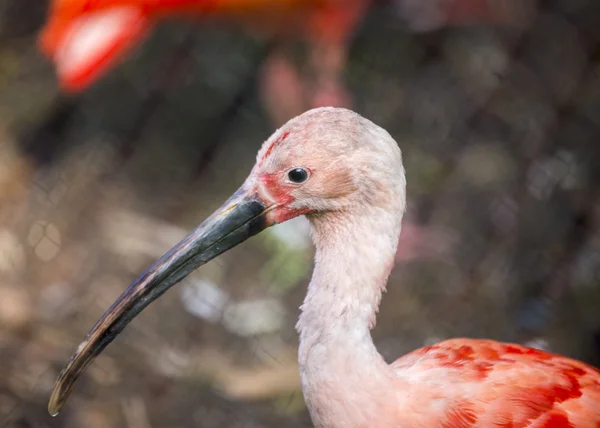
x=495 y=104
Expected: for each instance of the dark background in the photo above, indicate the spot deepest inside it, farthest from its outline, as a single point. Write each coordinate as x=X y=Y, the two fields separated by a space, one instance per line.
x=500 y=130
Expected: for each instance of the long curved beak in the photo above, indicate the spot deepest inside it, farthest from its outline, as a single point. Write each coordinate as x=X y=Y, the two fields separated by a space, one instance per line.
x=241 y=217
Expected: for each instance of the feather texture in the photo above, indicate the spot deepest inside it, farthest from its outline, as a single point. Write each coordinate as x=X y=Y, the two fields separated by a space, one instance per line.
x=492 y=384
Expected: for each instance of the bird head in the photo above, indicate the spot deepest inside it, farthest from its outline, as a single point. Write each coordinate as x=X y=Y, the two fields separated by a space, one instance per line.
x=325 y=162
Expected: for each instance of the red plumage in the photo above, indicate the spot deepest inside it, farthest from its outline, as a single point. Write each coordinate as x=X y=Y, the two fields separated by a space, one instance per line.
x=85 y=38
x=507 y=385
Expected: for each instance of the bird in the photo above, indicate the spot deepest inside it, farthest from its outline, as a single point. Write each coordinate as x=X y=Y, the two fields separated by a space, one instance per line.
x=345 y=174
x=87 y=38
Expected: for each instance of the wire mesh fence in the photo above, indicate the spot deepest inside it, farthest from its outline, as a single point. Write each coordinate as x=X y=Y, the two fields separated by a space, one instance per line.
x=498 y=121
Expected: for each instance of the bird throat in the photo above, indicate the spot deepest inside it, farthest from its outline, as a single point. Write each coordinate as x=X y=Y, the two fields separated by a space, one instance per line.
x=354 y=256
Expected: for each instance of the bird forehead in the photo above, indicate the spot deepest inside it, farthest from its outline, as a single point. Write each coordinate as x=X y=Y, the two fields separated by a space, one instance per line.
x=317 y=137
x=311 y=141
x=310 y=156
x=281 y=147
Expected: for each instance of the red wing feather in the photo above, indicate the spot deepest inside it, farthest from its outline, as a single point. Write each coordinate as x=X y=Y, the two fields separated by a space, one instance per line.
x=491 y=384
x=84 y=48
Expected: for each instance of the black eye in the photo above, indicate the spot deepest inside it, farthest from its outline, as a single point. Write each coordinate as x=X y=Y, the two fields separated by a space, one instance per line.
x=298 y=175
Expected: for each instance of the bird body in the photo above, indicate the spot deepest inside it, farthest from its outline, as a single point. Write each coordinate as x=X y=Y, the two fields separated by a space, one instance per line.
x=345 y=174
x=459 y=383
x=85 y=38
x=485 y=383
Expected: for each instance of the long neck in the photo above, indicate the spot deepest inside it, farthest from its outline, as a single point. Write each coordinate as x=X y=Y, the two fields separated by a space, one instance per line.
x=339 y=364
x=354 y=256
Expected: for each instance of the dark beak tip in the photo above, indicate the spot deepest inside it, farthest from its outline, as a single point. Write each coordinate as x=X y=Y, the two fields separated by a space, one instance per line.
x=56 y=402
x=53 y=410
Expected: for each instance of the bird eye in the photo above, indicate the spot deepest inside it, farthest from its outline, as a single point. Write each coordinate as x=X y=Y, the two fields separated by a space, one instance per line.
x=298 y=175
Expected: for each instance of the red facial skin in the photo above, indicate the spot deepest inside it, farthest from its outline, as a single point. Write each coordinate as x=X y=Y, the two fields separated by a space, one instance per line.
x=275 y=192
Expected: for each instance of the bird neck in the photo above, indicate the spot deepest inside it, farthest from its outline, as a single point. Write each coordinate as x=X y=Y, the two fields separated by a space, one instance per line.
x=354 y=257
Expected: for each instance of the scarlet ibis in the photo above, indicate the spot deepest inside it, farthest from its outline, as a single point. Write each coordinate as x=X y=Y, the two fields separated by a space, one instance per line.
x=85 y=38
x=345 y=174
